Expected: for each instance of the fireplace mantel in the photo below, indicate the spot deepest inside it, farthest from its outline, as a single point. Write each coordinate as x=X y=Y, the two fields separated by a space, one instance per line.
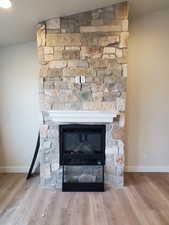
x=81 y=116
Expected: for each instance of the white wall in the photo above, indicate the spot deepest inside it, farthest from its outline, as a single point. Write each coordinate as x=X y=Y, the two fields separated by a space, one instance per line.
x=19 y=112
x=148 y=93
x=148 y=98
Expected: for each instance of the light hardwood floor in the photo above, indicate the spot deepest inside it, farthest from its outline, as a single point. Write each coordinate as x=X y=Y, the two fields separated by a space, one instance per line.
x=143 y=201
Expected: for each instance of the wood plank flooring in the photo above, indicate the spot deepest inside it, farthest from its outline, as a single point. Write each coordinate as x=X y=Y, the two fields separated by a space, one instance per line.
x=143 y=201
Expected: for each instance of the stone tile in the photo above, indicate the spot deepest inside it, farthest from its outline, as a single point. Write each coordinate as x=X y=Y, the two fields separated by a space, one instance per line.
x=123 y=40
x=119 y=52
x=69 y=54
x=125 y=69
x=90 y=29
x=97 y=96
x=89 y=79
x=108 y=56
x=124 y=25
x=122 y=120
x=41 y=35
x=58 y=49
x=121 y=11
x=90 y=39
x=72 y=48
x=46 y=170
x=63 y=39
x=91 y=52
x=97 y=22
x=48 y=58
x=71 y=24
x=109 y=15
x=53 y=23
x=108 y=40
x=48 y=50
x=51 y=92
x=99 y=106
x=58 y=53
x=78 y=63
x=120 y=86
x=72 y=72
x=57 y=64
x=125 y=52
x=43 y=70
x=122 y=60
x=44 y=130
x=109 y=50
x=54 y=72
x=54 y=165
x=121 y=103
x=86 y=95
x=101 y=63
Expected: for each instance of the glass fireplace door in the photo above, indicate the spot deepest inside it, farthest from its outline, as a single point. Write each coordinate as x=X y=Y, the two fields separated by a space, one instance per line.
x=83 y=178
x=82 y=144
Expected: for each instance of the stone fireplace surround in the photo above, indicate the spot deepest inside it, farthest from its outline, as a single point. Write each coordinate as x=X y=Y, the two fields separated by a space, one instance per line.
x=51 y=171
x=93 y=45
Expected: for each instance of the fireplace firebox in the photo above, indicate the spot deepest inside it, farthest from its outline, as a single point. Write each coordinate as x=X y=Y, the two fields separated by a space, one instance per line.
x=82 y=155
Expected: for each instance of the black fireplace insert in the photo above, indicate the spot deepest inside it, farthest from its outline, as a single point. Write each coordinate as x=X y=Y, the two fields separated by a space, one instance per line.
x=82 y=155
x=82 y=144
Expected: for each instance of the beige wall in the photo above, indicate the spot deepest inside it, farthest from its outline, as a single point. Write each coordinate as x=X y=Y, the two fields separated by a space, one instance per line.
x=148 y=93
x=19 y=105
x=148 y=98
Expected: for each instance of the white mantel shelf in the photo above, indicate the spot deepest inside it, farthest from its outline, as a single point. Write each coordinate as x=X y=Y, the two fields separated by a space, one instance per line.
x=81 y=116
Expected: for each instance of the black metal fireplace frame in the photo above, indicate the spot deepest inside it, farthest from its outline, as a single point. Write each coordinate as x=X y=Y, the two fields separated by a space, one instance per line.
x=99 y=159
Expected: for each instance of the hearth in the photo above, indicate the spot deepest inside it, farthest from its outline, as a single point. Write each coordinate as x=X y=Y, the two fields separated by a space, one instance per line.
x=82 y=155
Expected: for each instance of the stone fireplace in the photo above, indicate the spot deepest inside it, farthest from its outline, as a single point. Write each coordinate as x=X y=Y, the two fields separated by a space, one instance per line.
x=83 y=73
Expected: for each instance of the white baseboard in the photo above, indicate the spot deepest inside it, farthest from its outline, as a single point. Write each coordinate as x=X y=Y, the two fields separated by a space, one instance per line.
x=24 y=169
x=14 y=169
x=159 y=169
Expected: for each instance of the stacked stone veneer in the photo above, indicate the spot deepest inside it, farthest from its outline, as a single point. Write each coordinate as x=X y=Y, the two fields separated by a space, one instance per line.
x=92 y=44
